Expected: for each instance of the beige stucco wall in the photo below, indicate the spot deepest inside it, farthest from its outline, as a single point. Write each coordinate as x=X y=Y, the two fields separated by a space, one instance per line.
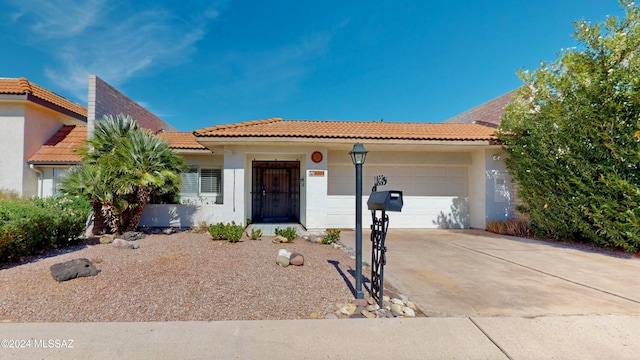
x=25 y=127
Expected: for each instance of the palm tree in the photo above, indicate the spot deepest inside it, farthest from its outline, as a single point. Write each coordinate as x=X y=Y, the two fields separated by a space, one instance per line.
x=124 y=165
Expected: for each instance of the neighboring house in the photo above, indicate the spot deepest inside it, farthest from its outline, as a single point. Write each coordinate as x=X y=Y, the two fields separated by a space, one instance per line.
x=451 y=174
x=29 y=117
x=41 y=131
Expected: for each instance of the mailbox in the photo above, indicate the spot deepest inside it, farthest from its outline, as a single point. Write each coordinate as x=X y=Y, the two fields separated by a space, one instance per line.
x=390 y=200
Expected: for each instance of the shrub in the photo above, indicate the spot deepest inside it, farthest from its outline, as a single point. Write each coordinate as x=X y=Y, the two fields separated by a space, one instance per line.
x=520 y=228
x=256 y=234
x=333 y=235
x=29 y=226
x=290 y=233
x=230 y=232
x=8 y=194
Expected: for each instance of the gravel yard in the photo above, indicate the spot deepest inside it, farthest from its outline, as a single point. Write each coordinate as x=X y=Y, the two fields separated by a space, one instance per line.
x=180 y=277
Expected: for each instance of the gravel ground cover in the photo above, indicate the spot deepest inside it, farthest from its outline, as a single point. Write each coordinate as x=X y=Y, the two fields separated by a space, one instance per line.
x=179 y=277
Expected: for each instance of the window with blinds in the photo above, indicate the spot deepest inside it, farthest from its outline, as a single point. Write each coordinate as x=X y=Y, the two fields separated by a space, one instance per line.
x=201 y=181
x=210 y=181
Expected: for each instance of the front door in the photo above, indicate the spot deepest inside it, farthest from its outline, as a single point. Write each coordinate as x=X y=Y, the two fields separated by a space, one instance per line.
x=276 y=191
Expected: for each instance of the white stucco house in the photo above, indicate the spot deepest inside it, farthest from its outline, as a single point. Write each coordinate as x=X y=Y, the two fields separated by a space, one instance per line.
x=274 y=170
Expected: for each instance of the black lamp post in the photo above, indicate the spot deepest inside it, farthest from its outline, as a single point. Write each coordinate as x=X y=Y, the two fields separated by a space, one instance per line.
x=358 y=155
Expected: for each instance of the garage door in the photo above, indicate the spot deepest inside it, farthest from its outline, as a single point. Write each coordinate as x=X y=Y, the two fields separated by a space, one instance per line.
x=434 y=196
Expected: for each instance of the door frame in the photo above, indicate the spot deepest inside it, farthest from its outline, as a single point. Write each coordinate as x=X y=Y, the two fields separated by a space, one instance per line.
x=258 y=168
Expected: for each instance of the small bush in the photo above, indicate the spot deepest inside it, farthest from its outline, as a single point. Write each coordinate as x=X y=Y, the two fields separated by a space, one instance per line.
x=8 y=194
x=29 y=226
x=290 y=233
x=230 y=232
x=201 y=227
x=520 y=228
x=256 y=234
x=333 y=235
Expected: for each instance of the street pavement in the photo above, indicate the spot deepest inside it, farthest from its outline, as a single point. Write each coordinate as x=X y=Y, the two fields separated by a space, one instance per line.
x=485 y=297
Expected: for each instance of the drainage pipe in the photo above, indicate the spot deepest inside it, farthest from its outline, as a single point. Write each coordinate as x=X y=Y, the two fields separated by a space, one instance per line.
x=40 y=179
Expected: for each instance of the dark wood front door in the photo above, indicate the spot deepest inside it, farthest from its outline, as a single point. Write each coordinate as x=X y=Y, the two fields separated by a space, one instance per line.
x=276 y=191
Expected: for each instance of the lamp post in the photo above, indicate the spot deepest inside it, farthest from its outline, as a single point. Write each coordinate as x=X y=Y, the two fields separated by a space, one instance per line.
x=358 y=155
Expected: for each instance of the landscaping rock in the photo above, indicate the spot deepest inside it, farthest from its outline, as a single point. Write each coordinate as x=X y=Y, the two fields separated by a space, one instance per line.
x=396 y=309
x=107 y=238
x=283 y=257
x=408 y=312
x=279 y=239
x=348 y=309
x=73 y=269
x=131 y=236
x=360 y=302
x=296 y=259
x=124 y=244
x=368 y=315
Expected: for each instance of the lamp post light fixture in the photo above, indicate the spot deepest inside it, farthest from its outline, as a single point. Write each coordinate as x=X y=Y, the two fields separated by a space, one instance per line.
x=358 y=156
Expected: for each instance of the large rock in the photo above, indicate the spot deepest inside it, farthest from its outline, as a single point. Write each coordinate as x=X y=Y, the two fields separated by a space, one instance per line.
x=131 y=236
x=73 y=269
x=124 y=244
x=296 y=259
x=283 y=257
x=107 y=238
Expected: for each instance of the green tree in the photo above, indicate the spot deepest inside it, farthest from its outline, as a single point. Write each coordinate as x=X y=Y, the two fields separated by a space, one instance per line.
x=572 y=136
x=122 y=166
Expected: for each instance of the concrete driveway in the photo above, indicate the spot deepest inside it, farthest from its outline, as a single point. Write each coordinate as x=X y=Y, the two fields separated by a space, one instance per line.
x=476 y=273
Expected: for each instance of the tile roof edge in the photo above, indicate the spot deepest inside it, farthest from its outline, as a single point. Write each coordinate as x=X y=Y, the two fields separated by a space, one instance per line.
x=235 y=125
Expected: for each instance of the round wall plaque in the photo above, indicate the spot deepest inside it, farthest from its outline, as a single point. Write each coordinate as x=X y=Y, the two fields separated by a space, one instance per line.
x=316 y=157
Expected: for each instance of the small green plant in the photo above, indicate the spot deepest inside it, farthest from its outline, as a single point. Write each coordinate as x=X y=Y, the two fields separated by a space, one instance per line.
x=200 y=227
x=290 y=233
x=333 y=235
x=256 y=234
x=221 y=231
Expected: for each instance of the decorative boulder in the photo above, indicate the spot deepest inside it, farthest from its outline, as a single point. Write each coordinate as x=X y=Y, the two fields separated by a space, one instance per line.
x=124 y=244
x=73 y=269
x=283 y=257
x=131 y=236
x=279 y=239
x=296 y=259
x=107 y=238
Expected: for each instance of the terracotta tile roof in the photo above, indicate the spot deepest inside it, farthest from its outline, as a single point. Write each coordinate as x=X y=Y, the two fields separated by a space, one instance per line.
x=61 y=147
x=182 y=140
x=489 y=112
x=22 y=86
x=276 y=127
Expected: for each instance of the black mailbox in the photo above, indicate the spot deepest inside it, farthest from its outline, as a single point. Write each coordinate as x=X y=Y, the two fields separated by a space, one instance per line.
x=390 y=200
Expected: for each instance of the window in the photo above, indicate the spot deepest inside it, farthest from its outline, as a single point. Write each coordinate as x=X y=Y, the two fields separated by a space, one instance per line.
x=205 y=181
x=57 y=175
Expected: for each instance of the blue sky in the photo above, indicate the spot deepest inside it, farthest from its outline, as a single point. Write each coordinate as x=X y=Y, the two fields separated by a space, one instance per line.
x=202 y=63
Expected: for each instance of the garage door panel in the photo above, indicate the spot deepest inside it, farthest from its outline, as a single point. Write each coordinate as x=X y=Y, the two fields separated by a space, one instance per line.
x=434 y=196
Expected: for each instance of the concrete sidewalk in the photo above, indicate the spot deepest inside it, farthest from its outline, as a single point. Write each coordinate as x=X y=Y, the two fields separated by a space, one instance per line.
x=581 y=337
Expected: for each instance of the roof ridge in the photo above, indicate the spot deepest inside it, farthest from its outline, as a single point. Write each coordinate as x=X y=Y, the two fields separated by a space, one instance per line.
x=237 y=125
x=25 y=85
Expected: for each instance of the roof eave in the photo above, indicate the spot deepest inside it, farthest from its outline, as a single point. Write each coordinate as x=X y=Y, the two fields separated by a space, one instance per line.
x=278 y=140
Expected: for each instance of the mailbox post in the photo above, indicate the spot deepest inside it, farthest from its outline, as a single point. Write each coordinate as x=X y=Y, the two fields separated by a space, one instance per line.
x=383 y=201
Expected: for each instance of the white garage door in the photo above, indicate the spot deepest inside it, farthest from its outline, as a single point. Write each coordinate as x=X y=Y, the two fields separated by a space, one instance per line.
x=434 y=196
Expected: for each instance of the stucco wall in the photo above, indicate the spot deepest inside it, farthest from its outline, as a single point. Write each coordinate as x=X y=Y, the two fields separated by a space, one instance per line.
x=11 y=142
x=25 y=128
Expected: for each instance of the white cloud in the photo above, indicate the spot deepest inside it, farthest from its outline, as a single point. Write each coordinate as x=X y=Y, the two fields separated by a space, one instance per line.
x=111 y=40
